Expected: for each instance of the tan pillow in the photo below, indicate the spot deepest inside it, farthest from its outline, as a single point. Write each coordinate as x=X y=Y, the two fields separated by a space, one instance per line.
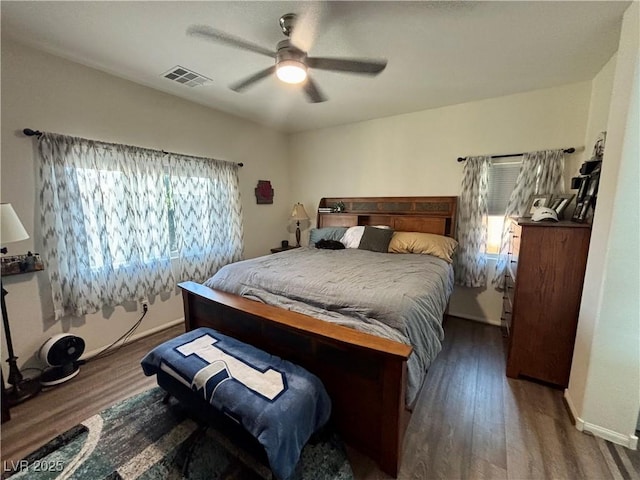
x=427 y=243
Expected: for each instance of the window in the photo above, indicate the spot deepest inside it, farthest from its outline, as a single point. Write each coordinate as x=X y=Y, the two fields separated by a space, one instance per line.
x=113 y=216
x=102 y=194
x=502 y=180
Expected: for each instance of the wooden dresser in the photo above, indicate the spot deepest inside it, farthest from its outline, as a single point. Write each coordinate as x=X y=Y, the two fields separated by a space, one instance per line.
x=542 y=292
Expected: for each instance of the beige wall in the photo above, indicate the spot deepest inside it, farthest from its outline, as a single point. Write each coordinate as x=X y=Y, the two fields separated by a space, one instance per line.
x=604 y=389
x=415 y=154
x=598 y=119
x=45 y=92
x=601 y=87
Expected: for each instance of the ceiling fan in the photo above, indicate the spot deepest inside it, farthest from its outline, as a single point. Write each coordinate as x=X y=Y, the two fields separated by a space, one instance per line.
x=291 y=63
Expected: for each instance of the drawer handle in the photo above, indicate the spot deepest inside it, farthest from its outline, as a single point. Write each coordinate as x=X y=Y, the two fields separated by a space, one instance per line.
x=514 y=261
x=508 y=313
x=509 y=287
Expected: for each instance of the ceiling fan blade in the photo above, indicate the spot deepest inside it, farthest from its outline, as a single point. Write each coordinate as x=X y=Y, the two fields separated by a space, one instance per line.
x=307 y=23
x=367 y=67
x=208 y=33
x=238 y=87
x=311 y=89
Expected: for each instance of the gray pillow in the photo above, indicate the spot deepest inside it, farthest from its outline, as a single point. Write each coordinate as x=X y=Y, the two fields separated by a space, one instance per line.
x=376 y=239
x=326 y=233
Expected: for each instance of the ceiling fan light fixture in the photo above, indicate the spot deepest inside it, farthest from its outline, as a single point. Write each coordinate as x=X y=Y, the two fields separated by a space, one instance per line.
x=291 y=71
x=291 y=63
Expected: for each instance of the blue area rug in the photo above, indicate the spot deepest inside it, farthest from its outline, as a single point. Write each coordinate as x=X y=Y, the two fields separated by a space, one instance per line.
x=144 y=438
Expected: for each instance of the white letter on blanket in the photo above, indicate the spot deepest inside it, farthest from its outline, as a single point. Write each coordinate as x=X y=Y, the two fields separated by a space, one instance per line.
x=268 y=384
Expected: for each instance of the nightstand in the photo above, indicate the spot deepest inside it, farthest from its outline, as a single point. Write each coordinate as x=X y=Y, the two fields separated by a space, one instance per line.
x=283 y=249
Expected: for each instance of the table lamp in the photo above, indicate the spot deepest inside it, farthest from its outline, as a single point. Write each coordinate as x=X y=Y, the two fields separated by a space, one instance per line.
x=21 y=389
x=298 y=214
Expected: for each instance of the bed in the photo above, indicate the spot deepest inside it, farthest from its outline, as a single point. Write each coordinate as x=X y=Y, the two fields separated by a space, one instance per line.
x=365 y=374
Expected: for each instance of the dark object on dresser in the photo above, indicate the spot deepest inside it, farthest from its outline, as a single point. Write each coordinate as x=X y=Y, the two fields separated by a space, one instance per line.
x=587 y=186
x=330 y=244
x=542 y=293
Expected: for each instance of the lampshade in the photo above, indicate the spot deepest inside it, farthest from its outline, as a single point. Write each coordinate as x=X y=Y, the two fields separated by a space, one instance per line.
x=291 y=71
x=299 y=213
x=12 y=229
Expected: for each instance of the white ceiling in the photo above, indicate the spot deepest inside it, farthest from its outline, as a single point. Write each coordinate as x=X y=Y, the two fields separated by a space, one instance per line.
x=439 y=53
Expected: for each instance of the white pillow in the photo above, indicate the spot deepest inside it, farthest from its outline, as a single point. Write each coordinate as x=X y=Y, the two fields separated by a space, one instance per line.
x=352 y=237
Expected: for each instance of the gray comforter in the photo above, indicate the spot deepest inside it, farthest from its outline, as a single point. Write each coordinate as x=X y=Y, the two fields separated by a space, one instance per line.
x=397 y=296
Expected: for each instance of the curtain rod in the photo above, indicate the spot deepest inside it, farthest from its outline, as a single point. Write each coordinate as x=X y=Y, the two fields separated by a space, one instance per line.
x=37 y=133
x=566 y=150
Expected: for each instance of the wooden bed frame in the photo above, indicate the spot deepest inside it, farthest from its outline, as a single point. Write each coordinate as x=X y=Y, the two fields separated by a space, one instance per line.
x=364 y=375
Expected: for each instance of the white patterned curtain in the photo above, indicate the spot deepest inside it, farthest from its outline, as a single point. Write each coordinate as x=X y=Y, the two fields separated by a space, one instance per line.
x=471 y=260
x=540 y=173
x=103 y=223
x=114 y=215
x=208 y=215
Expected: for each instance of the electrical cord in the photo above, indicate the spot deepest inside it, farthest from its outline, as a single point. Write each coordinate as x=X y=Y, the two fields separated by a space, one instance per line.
x=123 y=338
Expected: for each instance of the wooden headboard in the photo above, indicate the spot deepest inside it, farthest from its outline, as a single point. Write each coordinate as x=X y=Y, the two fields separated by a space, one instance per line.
x=407 y=214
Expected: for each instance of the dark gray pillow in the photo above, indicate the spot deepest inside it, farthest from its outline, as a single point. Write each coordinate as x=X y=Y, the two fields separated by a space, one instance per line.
x=376 y=239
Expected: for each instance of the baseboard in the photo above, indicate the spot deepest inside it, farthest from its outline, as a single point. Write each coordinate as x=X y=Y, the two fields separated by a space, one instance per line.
x=475 y=318
x=629 y=441
x=575 y=419
x=138 y=336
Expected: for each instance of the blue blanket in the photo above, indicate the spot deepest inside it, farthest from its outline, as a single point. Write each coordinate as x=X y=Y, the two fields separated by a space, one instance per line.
x=279 y=403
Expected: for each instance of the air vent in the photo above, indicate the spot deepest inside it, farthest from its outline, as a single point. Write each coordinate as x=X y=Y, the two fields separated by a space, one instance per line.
x=186 y=77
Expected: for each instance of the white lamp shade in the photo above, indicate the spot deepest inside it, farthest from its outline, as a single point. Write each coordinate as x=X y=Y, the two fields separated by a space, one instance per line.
x=291 y=71
x=12 y=229
x=299 y=213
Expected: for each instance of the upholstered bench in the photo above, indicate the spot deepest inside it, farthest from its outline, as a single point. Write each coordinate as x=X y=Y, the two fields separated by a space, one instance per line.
x=280 y=404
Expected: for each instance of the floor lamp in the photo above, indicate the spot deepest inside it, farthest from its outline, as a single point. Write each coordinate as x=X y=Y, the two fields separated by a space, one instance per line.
x=298 y=214
x=20 y=389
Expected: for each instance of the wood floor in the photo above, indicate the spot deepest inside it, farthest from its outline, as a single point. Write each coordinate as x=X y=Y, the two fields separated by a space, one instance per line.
x=470 y=421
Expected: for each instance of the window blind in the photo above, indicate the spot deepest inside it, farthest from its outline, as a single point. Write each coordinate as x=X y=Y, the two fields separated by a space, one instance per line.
x=502 y=179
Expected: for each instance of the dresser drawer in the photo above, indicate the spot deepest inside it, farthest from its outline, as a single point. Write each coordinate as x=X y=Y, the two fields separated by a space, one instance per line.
x=509 y=287
x=514 y=249
x=505 y=325
x=507 y=306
